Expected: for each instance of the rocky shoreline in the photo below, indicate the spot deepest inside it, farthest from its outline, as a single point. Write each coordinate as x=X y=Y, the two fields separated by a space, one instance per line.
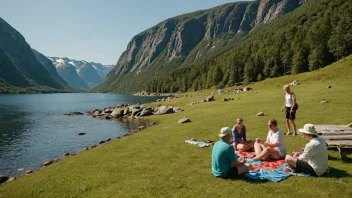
x=120 y=113
x=145 y=93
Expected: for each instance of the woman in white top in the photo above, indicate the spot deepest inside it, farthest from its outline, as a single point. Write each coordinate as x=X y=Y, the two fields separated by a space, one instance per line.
x=274 y=145
x=290 y=102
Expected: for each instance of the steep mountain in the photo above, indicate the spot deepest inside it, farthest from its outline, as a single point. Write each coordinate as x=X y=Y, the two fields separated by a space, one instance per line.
x=190 y=38
x=102 y=70
x=311 y=37
x=89 y=74
x=69 y=74
x=92 y=73
x=48 y=65
x=18 y=65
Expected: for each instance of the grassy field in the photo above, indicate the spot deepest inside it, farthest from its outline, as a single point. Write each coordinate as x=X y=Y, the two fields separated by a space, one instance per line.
x=157 y=163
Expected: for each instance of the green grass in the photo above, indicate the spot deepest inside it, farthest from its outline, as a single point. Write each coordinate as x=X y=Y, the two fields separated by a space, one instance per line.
x=157 y=163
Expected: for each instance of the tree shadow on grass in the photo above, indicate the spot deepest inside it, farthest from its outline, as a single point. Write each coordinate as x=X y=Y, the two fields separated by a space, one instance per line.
x=336 y=173
x=346 y=160
x=248 y=180
x=254 y=181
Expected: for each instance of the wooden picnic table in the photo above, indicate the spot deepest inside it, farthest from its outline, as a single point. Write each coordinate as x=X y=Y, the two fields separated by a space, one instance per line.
x=344 y=146
x=330 y=127
x=333 y=130
x=337 y=137
x=323 y=133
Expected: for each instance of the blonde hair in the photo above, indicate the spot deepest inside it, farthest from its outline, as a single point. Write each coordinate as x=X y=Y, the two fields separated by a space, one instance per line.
x=239 y=120
x=287 y=87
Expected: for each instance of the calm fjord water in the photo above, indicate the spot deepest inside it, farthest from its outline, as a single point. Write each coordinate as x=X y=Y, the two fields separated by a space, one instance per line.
x=33 y=128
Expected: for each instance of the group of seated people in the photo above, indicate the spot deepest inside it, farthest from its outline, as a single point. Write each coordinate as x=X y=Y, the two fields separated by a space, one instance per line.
x=313 y=160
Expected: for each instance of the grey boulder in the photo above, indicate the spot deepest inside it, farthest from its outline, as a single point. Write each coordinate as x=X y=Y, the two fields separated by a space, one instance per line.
x=3 y=178
x=177 y=109
x=136 y=111
x=210 y=99
x=147 y=112
x=260 y=114
x=183 y=120
x=117 y=113
x=164 y=110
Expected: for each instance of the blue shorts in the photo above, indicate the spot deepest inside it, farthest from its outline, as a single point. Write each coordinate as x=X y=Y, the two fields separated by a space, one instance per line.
x=290 y=115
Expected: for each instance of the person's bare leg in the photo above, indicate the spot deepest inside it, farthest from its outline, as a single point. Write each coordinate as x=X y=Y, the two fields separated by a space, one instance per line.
x=288 y=126
x=266 y=153
x=242 y=147
x=263 y=154
x=258 y=148
x=291 y=161
x=244 y=168
x=294 y=127
x=251 y=144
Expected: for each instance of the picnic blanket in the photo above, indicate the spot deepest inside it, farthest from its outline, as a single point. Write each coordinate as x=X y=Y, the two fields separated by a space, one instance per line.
x=272 y=175
x=257 y=165
x=200 y=144
x=266 y=170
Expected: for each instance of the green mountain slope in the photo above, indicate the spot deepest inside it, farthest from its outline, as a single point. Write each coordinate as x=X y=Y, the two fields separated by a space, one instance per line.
x=48 y=65
x=188 y=39
x=18 y=65
x=309 y=38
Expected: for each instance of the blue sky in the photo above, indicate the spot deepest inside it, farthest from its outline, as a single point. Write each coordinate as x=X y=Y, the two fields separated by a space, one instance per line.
x=91 y=30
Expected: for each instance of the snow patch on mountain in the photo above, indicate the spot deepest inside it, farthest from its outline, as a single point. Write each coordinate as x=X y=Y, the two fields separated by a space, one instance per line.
x=101 y=70
x=60 y=61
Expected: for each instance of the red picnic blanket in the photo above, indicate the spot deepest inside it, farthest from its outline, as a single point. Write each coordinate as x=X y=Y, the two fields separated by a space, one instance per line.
x=268 y=165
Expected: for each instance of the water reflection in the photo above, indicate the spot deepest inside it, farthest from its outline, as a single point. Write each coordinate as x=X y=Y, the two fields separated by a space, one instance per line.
x=14 y=122
x=33 y=128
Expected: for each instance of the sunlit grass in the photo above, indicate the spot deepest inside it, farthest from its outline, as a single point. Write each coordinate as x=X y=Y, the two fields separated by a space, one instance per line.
x=157 y=163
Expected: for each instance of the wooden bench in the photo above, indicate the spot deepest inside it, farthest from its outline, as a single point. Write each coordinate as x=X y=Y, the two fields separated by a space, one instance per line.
x=323 y=133
x=344 y=146
x=333 y=130
x=330 y=127
x=337 y=137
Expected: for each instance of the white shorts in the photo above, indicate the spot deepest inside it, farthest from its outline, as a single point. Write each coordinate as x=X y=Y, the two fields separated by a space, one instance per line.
x=282 y=154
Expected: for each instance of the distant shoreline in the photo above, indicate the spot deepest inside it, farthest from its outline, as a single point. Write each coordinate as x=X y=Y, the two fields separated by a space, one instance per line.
x=143 y=93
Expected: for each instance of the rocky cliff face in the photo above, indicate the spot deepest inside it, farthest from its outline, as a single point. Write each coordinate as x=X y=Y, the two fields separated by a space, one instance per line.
x=18 y=64
x=271 y=9
x=187 y=38
x=89 y=74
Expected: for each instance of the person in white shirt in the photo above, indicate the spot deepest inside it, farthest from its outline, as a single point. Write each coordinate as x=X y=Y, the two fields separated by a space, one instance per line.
x=274 y=145
x=314 y=159
x=290 y=102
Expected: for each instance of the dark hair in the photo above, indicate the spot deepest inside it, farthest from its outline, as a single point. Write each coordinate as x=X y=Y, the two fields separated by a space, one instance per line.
x=273 y=122
x=313 y=136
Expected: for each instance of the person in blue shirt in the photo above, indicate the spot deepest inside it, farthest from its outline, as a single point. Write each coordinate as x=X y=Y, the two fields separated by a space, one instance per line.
x=225 y=162
x=239 y=138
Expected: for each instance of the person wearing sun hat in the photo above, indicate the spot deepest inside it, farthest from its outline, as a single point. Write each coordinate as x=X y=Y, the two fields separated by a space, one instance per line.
x=314 y=159
x=225 y=162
